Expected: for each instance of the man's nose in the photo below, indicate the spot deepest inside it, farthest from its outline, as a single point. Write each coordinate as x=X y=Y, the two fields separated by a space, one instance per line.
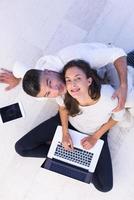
x=53 y=86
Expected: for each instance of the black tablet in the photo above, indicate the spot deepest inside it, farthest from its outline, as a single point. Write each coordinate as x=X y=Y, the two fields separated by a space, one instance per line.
x=11 y=112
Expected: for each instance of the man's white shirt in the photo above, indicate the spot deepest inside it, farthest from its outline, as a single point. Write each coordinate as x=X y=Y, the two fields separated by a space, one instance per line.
x=97 y=54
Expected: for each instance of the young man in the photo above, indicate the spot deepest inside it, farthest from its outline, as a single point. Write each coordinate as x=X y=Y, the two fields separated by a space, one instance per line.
x=45 y=81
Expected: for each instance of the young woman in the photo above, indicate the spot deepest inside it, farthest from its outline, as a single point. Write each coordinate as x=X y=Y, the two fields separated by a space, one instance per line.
x=88 y=107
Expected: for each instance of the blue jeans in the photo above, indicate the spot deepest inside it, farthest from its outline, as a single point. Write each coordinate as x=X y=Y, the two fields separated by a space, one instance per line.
x=35 y=144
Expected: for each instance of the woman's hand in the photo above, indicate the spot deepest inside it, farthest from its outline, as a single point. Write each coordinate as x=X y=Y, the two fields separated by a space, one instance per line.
x=88 y=142
x=67 y=142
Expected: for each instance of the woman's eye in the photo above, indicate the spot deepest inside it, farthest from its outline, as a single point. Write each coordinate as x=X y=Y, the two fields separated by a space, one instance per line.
x=78 y=79
x=67 y=81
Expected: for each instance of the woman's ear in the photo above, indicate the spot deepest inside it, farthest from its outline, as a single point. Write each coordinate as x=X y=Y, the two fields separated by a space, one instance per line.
x=90 y=81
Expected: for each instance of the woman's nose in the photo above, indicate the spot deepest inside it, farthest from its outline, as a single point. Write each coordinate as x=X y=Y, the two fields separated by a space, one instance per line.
x=74 y=83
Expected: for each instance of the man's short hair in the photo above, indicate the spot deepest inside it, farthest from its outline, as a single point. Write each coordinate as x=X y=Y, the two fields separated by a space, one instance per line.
x=31 y=82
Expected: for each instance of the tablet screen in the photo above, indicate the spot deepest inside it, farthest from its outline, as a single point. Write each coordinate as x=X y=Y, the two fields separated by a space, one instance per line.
x=10 y=112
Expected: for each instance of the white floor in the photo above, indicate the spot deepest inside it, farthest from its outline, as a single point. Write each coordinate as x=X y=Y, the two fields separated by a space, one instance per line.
x=28 y=30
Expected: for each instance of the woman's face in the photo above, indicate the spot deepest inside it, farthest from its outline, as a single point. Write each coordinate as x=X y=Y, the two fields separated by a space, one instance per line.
x=77 y=83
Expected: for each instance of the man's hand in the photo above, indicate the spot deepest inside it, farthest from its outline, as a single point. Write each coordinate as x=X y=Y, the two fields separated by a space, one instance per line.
x=88 y=142
x=8 y=78
x=67 y=142
x=121 y=94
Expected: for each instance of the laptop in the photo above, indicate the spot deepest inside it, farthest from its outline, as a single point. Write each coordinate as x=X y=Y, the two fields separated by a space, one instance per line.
x=79 y=163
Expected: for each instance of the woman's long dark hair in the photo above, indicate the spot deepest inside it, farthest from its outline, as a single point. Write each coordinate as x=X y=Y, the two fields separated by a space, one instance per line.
x=72 y=104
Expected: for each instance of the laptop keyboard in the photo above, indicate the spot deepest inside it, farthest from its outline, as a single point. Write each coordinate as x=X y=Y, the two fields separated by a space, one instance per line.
x=79 y=156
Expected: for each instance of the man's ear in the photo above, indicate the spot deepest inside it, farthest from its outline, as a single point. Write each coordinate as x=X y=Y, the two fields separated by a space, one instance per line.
x=90 y=80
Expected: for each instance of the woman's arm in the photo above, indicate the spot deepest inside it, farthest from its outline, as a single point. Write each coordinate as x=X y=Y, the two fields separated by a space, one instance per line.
x=66 y=138
x=89 y=141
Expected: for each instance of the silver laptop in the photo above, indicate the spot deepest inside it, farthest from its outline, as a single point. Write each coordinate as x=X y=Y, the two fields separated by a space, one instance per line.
x=79 y=163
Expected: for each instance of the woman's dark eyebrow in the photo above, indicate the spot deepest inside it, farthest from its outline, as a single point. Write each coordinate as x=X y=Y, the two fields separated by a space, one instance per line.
x=75 y=75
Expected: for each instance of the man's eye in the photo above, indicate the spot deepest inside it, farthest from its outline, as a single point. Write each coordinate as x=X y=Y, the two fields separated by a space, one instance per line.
x=47 y=94
x=49 y=82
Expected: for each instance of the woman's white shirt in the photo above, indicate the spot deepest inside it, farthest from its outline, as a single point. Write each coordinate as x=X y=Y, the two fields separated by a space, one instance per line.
x=92 y=117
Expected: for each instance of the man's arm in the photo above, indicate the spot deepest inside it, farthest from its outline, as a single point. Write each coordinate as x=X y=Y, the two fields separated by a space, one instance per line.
x=8 y=78
x=13 y=78
x=121 y=93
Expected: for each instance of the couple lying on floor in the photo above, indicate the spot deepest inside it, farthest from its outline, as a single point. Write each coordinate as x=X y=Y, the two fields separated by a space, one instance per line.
x=85 y=105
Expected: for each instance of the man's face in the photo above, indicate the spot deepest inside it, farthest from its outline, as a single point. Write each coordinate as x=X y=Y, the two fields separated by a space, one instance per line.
x=51 y=85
